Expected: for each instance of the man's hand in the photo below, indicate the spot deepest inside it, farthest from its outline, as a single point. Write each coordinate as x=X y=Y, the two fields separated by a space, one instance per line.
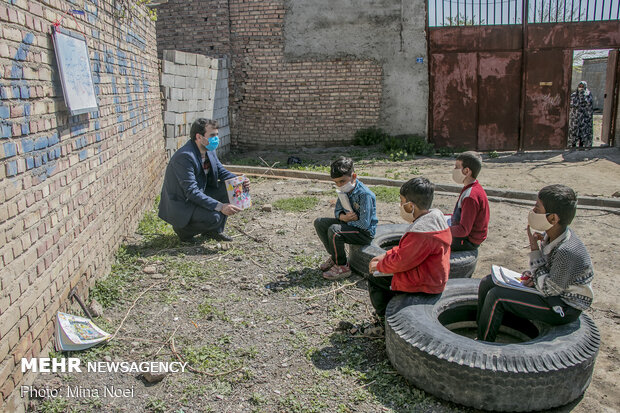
x=246 y=185
x=534 y=237
x=348 y=217
x=230 y=209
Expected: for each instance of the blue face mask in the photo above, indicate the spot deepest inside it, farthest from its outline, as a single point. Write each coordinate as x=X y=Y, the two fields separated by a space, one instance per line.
x=214 y=142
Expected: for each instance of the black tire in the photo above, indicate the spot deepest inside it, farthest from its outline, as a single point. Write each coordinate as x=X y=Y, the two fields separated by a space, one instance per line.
x=549 y=370
x=462 y=263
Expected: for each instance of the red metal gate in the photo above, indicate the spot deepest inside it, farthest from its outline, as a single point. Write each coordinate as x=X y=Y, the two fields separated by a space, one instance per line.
x=507 y=87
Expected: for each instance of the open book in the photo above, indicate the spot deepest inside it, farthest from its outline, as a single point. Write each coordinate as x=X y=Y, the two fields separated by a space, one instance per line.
x=344 y=201
x=237 y=194
x=77 y=333
x=510 y=279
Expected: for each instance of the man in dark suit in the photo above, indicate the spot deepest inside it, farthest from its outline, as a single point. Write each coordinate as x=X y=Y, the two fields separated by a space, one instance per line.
x=193 y=197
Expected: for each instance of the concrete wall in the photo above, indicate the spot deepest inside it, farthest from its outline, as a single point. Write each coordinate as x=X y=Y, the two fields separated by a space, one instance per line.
x=70 y=186
x=390 y=32
x=193 y=86
x=594 y=73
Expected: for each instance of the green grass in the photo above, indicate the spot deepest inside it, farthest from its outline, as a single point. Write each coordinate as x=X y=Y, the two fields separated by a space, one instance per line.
x=297 y=204
x=55 y=405
x=386 y=193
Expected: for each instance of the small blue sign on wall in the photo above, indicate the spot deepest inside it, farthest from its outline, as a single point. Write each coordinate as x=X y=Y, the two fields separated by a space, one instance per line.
x=419 y=60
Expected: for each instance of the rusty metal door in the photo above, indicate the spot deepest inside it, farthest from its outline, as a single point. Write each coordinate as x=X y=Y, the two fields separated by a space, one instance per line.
x=453 y=88
x=546 y=101
x=611 y=97
x=499 y=92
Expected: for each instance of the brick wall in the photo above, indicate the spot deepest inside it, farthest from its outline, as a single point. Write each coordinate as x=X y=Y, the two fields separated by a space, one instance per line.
x=193 y=86
x=70 y=186
x=274 y=100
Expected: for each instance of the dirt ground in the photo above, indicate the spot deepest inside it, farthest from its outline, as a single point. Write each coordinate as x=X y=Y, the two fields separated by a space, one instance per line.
x=257 y=314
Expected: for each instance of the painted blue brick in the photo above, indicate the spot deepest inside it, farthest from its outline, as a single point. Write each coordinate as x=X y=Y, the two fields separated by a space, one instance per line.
x=24 y=92
x=50 y=170
x=29 y=163
x=11 y=168
x=57 y=152
x=83 y=154
x=44 y=158
x=5 y=131
x=10 y=149
x=98 y=137
x=28 y=38
x=27 y=109
x=27 y=145
x=16 y=72
x=5 y=112
x=37 y=161
x=22 y=53
x=50 y=155
x=97 y=125
x=25 y=129
x=53 y=140
x=4 y=93
x=15 y=91
x=41 y=143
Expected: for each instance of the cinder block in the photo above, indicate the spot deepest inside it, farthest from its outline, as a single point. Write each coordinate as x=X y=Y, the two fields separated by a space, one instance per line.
x=190 y=83
x=225 y=129
x=167 y=80
x=179 y=57
x=168 y=55
x=170 y=131
x=176 y=93
x=221 y=93
x=221 y=83
x=190 y=59
x=223 y=74
x=168 y=67
x=220 y=113
x=202 y=60
x=179 y=81
x=214 y=74
x=193 y=105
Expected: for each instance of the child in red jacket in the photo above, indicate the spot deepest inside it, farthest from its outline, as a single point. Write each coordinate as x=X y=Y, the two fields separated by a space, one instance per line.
x=421 y=261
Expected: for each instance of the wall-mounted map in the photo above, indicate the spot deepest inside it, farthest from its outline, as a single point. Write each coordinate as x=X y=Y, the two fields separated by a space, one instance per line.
x=74 y=69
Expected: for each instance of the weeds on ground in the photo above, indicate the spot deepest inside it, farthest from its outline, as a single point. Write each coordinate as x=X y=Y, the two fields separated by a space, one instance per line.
x=54 y=405
x=493 y=154
x=386 y=193
x=296 y=204
x=369 y=136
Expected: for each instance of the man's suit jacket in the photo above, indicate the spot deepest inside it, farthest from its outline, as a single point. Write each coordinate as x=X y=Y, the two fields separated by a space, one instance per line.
x=186 y=186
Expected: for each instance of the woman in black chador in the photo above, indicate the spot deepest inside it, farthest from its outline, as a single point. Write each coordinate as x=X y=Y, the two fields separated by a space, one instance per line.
x=580 y=126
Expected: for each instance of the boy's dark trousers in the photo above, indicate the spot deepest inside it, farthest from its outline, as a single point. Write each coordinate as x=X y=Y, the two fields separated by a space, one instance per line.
x=334 y=233
x=463 y=244
x=494 y=301
x=380 y=293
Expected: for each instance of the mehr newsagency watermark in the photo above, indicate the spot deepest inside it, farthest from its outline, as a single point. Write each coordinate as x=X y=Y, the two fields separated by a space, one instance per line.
x=74 y=365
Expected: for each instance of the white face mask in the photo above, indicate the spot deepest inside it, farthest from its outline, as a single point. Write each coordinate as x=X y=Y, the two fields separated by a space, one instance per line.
x=457 y=176
x=346 y=188
x=407 y=216
x=538 y=222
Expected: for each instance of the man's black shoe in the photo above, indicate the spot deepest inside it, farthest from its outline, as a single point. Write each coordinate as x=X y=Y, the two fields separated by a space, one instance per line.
x=218 y=236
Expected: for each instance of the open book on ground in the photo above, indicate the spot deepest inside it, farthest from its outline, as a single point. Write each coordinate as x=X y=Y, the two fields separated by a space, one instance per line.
x=510 y=279
x=77 y=333
x=237 y=194
x=344 y=200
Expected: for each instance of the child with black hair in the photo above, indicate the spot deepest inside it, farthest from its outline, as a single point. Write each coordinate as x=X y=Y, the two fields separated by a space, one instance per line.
x=560 y=268
x=470 y=219
x=357 y=226
x=421 y=261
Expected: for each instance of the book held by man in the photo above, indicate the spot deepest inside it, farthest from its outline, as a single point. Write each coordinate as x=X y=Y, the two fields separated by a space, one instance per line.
x=237 y=194
x=510 y=279
x=77 y=333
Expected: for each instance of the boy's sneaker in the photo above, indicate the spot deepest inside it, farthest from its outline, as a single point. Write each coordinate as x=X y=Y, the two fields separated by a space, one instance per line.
x=327 y=264
x=337 y=272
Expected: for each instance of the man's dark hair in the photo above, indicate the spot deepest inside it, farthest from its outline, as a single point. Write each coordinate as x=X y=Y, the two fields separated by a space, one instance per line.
x=199 y=126
x=471 y=160
x=420 y=191
x=560 y=200
x=341 y=166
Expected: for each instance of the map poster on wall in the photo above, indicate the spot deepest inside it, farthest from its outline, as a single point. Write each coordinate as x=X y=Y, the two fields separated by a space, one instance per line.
x=74 y=68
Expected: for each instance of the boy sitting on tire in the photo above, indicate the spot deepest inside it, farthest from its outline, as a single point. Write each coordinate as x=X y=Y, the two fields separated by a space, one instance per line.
x=470 y=219
x=421 y=261
x=356 y=226
x=560 y=268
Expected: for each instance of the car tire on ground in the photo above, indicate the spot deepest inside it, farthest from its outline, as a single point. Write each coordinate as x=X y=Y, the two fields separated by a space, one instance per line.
x=426 y=342
x=462 y=263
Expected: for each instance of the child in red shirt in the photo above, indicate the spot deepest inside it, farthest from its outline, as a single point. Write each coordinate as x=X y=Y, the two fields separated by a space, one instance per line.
x=421 y=261
x=470 y=219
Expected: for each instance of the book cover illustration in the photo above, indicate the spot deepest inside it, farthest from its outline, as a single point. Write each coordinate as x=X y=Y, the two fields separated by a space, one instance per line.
x=77 y=333
x=237 y=194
